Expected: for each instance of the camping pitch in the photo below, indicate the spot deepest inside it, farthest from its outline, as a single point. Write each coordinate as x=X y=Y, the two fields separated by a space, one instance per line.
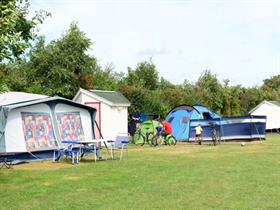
x=36 y=127
x=185 y=118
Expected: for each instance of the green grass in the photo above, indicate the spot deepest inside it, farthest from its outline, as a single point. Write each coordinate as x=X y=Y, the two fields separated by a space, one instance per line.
x=186 y=176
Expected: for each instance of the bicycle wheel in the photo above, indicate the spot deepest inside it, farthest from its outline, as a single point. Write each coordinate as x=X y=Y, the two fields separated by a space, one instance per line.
x=139 y=139
x=150 y=138
x=156 y=140
x=164 y=140
x=171 y=140
x=174 y=140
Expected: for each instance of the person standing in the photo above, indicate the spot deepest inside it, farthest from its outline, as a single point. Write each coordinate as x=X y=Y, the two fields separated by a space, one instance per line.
x=198 y=134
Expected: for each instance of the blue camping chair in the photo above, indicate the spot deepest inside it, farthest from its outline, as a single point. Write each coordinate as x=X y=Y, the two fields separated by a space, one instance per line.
x=68 y=151
x=120 y=143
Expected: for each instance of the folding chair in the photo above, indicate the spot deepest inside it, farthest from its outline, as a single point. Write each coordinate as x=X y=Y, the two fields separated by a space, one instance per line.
x=73 y=153
x=121 y=142
x=5 y=161
x=57 y=153
x=68 y=151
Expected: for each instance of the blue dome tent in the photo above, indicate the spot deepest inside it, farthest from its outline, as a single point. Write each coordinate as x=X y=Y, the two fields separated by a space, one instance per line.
x=180 y=117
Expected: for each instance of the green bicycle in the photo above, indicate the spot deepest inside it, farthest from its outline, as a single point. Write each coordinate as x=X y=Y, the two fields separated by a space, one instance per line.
x=168 y=140
x=142 y=137
x=146 y=133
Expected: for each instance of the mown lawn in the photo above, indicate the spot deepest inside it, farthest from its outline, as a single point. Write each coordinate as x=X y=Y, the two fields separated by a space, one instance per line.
x=186 y=176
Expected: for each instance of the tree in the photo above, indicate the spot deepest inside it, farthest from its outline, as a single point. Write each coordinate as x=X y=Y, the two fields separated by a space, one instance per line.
x=132 y=79
x=14 y=77
x=106 y=79
x=62 y=66
x=155 y=103
x=163 y=84
x=210 y=91
x=249 y=98
x=235 y=92
x=227 y=98
x=16 y=30
x=272 y=83
x=145 y=75
x=271 y=88
x=136 y=96
x=3 y=79
x=190 y=93
x=172 y=96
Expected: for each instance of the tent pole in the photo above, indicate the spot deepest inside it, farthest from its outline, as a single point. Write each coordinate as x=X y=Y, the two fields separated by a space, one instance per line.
x=258 y=132
x=35 y=156
x=222 y=131
x=29 y=152
x=98 y=129
x=101 y=135
x=256 y=129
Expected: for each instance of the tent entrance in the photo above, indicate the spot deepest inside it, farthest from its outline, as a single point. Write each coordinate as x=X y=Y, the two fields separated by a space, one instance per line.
x=180 y=124
x=206 y=116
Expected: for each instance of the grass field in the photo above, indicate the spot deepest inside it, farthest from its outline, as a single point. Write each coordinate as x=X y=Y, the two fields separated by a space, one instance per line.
x=186 y=176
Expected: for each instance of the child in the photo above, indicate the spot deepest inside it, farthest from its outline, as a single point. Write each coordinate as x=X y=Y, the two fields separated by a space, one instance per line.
x=159 y=132
x=163 y=130
x=198 y=134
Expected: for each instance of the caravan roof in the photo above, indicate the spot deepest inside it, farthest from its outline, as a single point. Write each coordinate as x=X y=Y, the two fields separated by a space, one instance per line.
x=18 y=97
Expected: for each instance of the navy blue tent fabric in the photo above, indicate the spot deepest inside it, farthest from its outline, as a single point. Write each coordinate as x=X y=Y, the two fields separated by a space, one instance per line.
x=231 y=128
x=144 y=117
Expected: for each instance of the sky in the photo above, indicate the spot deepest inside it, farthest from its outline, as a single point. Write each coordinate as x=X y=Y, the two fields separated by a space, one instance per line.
x=237 y=40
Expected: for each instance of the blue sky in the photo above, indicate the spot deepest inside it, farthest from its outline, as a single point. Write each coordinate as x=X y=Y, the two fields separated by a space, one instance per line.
x=238 y=40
